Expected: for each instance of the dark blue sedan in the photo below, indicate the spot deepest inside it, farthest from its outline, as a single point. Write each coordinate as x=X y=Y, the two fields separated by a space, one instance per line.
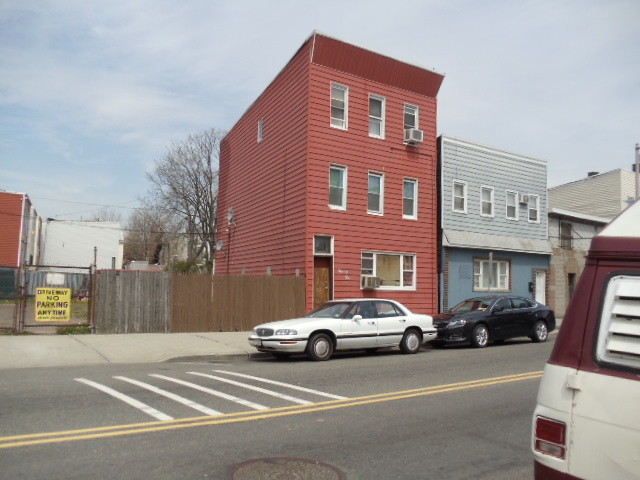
x=481 y=320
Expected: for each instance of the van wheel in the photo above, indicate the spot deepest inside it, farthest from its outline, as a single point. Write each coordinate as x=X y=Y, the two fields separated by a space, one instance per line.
x=480 y=336
x=540 y=332
x=410 y=342
x=320 y=347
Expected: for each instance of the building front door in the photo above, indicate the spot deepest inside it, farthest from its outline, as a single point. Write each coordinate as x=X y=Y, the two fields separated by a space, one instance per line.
x=322 y=291
x=541 y=286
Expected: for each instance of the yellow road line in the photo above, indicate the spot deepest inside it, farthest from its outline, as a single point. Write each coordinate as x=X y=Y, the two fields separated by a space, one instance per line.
x=136 y=428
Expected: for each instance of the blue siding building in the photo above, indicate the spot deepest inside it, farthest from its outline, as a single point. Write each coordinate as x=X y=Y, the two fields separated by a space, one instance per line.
x=493 y=221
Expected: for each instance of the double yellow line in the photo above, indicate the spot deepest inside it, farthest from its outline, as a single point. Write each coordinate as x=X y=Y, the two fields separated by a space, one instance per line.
x=149 y=427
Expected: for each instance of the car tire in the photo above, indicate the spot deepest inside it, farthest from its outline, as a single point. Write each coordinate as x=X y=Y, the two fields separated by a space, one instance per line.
x=320 y=347
x=411 y=341
x=540 y=332
x=480 y=336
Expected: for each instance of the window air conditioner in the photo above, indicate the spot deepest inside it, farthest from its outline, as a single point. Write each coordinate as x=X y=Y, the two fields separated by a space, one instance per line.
x=369 y=282
x=524 y=198
x=413 y=135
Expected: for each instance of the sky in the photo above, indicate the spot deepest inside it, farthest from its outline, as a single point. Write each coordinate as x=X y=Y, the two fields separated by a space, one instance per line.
x=93 y=93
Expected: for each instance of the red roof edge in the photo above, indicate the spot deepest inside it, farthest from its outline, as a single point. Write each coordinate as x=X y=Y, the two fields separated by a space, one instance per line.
x=332 y=53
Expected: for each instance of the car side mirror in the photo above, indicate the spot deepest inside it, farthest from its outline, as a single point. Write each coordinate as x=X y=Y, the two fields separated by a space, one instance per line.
x=357 y=318
x=498 y=308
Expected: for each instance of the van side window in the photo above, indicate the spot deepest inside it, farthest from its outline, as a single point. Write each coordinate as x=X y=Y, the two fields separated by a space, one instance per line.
x=619 y=335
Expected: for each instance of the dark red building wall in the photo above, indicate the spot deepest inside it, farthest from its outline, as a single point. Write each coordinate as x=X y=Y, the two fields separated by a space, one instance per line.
x=265 y=182
x=11 y=205
x=355 y=230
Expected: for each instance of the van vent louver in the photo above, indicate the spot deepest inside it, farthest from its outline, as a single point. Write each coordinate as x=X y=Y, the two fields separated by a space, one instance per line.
x=619 y=337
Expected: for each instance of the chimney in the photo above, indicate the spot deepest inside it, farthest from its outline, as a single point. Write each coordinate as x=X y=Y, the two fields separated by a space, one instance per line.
x=592 y=174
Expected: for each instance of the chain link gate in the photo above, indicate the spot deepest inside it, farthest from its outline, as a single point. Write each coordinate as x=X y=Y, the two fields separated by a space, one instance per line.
x=47 y=297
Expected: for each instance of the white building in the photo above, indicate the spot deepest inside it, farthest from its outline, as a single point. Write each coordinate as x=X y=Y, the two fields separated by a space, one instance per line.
x=81 y=244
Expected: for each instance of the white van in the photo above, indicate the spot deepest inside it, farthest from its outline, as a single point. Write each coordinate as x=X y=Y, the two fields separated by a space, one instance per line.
x=586 y=424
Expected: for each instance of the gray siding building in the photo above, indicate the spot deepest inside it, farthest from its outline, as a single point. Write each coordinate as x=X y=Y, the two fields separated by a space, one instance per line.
x=494 y=223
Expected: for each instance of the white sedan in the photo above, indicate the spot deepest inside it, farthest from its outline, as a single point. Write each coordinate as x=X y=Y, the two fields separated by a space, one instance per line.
x=346 y=325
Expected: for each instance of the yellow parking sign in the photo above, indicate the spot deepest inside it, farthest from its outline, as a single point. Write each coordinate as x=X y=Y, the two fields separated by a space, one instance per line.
x=53 y=304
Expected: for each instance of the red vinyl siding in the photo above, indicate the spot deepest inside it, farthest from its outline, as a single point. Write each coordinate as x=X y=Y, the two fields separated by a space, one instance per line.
x=355 y=230
x=11 y=205
x=265 y=182
x=279 y=188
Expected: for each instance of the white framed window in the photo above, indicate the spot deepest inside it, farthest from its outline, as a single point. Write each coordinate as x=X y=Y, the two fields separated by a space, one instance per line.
x=338 y=187
x=396 y=271
x=411 y=116
x=459 y=196
x=534 y=208
x=490 y=275
x=410 y=199
x=486 y=201
x=376 y=116
x=511 y=201
x=375 y=201
x=323 y=245
x=260 y=130
x=339 y=106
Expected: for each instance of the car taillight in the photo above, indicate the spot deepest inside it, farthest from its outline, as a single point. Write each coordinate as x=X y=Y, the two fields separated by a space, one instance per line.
x=551 y=437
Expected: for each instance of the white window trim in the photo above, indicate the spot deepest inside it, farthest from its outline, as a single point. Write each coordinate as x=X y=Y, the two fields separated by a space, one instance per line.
x=383 y=100
x=401 y=255
x=417 y=115
x=492 y=201
x=464 y=193
x=260 y=130
x=478 y=274
x=535 y=200
x=506 y=205
x=315 y=253
x=415 y=199
x=381 y=177
x=342 y=207
x=345 y=88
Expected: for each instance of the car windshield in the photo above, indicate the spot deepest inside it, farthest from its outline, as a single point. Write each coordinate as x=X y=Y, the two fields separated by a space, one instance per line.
x=472 y=305
x=330 y=310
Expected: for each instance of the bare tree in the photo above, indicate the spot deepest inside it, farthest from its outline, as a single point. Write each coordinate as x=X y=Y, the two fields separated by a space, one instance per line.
x=150 y=235
x=106 y=215
x=185 y=182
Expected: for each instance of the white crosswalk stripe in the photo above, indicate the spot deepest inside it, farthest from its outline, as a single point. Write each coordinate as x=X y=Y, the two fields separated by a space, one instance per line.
x=172 y=396
x=246 y=403
x=127 y=399
x=252 y=387
x=238 y=380
x=282 y=384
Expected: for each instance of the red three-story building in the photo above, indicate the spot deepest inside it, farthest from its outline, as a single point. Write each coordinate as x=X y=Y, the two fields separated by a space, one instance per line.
x=331 y=174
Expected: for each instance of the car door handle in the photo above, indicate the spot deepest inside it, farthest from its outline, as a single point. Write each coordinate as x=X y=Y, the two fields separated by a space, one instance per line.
x=403 y=320
x=372 y=323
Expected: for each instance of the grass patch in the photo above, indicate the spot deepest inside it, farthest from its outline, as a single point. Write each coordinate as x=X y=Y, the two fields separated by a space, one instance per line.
x=13 y=332
x=74 y=330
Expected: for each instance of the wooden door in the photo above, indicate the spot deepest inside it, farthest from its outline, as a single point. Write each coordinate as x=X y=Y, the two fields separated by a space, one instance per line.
x=322 y=290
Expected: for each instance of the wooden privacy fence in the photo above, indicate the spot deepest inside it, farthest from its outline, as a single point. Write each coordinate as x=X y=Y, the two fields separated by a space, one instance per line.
x=132 y=302
x=151 y=302
x=220 y=303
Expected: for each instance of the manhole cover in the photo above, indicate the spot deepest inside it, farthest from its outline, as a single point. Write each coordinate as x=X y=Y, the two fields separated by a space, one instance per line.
x=284 y=469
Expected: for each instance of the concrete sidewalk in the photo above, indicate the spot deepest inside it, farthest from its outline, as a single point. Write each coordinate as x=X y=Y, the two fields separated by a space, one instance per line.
x=24 y=351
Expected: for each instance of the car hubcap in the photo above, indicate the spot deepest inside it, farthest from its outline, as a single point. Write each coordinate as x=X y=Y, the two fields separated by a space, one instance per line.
x=321 y=348
x=542 y=331
x=482 y=336
x=413 y=341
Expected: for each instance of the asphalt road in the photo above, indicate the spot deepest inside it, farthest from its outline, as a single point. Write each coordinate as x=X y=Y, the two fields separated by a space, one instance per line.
x=455 y=413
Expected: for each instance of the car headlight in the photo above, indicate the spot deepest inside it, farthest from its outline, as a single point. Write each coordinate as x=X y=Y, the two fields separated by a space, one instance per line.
x=286 y=331
x=458 y=322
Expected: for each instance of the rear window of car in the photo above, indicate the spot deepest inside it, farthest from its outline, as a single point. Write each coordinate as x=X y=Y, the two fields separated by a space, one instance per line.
x=618 y=341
